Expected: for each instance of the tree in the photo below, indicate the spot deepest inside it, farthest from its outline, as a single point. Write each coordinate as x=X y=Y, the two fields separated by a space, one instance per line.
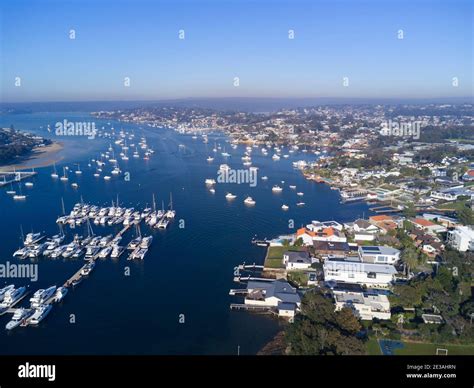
x=409 y=211
x=466 y=215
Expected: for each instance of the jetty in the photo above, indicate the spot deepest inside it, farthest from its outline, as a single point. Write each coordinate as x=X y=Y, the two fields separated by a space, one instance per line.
x=10 y=177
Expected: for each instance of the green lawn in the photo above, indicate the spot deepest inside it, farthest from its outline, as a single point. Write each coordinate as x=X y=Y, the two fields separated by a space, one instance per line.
x=275 y=256
x=298 y=277
x=455 y=205
x=412 y=348
x=373 y=348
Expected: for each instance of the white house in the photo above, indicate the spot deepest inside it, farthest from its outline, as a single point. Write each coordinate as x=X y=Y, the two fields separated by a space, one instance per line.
x=297 y=260
x=276 y=294
x=365 y=306
x=370 y=275
x=379 y=254
x=461 y=238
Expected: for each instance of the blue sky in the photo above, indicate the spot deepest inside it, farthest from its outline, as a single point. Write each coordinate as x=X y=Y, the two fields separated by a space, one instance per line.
x=226 y=39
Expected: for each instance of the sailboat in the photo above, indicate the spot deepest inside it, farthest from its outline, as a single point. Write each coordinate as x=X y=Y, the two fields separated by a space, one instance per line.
x=78 y=171
x=54 y=174
x=11 y=191
x=170 y=213
x=64 y=178
x=19 y=197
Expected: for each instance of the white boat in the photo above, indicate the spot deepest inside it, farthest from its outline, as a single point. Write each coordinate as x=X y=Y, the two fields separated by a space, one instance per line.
x=64 y=178
x=74 y=185
x=212 y=190
x=277 y=189
x=210 y=159
x=300 y=194
x=275 y=157
x=285 y=207
x=117 y=251
x=162 y=224
x=249 y=201
x=40 y=313
x=87 y=269
x=300 y=204
x=12 y=296
x=210 y=181
x=135 y=243
x=264 y=178
x=60 y=294
x=19 y=197
x=230 y=196
x=146 y=242
x=4 y=290
x=42 y=296
x=138 y=253
x=293 y=187
x=33 y=238
x=28 y=184
x=54 y=174
x=107 y=177
x=105 y=252
x=58 y=251
x=224 y=167
x=20 y=316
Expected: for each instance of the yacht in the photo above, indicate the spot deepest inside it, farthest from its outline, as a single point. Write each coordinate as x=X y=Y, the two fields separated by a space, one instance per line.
x=105 y=240
x=105 y=252
x=40 y=313
x=300 y=204
x=22 y=252
x=4 y=290
x=58 y=251
x=74 y=185
x=210 y=181
x=300 y=194
x=210 y=159
x=107 y=177
x=146 y=242
x=277 y=189
x=33 y=238
x=230 y=196
x=20 y=316
x=19 y=197
x=11 y=297
x=91 y=251
x=275 y=157
x=293 y=187
x=135 y=243
x=249 y=201
x=285 y=207
x=117 y=251
x=163 y=223
x=60 y=294
x=87 y=269
x=138 y=253
x=212 y=190
x=42 y=296
x=264 y=178
x=28 y=184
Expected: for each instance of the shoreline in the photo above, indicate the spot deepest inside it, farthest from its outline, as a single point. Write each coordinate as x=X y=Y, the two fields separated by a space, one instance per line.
x=39 y=157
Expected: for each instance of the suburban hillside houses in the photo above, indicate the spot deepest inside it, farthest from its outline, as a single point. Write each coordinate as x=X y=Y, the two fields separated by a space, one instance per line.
x=365 y=306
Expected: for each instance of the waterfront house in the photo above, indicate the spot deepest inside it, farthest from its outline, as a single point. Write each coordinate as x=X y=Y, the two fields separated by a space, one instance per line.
x=330 y=235
x=370 y=275
x=306 y=236
x=384 y=222
x=379 y=254
x=297 y=260
x=277 y=294
x=331 y=248
x=365 y=306
x=363 y=230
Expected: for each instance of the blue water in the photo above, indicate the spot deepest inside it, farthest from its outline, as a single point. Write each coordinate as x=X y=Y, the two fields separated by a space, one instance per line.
x=187 y=271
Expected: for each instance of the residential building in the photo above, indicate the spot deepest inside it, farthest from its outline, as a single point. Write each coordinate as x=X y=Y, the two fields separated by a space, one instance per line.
x=379 y=254
x=461 y=238
x=365 y=306
x=297 y=260
x=370 y=275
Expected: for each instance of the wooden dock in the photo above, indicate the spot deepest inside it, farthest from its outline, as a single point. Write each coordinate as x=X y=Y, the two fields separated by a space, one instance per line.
x=244 y=266
x=246 y=307
x=241 y=279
